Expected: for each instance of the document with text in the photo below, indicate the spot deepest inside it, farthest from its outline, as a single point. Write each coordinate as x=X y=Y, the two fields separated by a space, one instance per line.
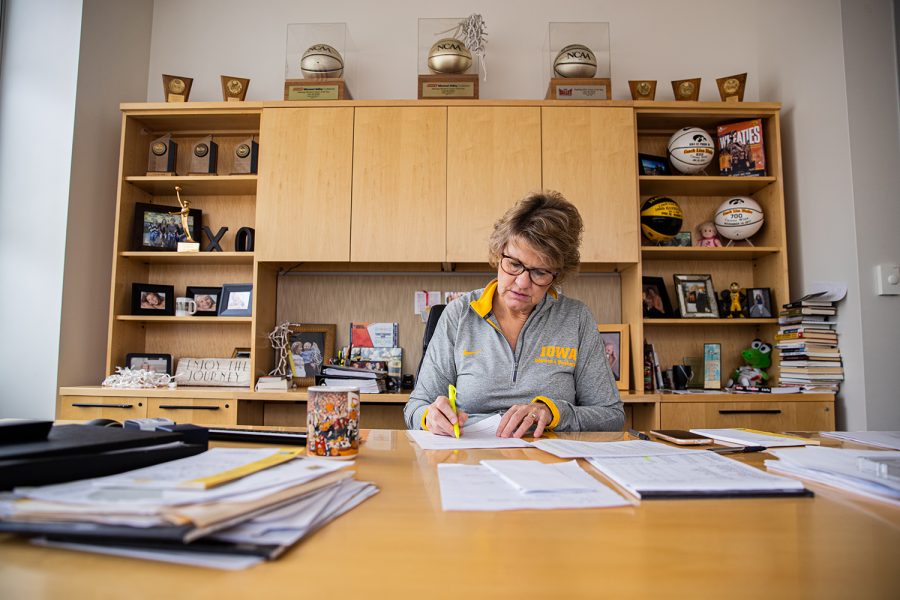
x=576 y=449
x=482 y=434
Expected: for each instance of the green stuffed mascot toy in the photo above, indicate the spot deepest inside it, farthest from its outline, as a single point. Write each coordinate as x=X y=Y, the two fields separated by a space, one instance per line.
x=758 y=358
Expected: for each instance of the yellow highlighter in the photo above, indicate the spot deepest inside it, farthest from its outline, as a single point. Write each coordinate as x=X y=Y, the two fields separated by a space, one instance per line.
x=452 y=390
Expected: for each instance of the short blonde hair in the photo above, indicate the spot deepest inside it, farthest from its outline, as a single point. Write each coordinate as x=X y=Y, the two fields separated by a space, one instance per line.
x=549 y=224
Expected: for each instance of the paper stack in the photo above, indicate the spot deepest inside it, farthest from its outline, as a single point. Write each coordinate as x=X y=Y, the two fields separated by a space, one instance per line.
x=808 y=346
x=368 y=381
x=226 y=508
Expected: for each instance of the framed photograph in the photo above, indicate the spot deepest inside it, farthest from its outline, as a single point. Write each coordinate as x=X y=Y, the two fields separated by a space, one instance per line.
x=656 y=299
x=616 y=348
x=158 y=363
x=696 y=297
x=312 y=345
x=239 y=352
x=759 y=303
x=649 y=164
x=206 y=299
x=152 y=300
x=157 y=229
x=681 y=240
x=236 y=300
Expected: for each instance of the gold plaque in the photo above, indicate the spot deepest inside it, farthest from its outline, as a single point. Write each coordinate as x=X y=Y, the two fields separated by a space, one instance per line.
x=731 y=88
x=448 y=86
x=246 y=156
x=643 y=89
x=204 y=157
x=316 y=89
x=686 y=89
x=234 y=89
x=176 y=88
x=162 y=156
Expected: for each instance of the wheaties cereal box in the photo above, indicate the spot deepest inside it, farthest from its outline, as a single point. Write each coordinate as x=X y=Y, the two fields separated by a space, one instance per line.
x=741 y=149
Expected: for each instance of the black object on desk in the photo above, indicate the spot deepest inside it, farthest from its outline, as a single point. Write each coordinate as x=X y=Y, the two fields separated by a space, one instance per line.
x=17 y=431
x=738 y=449
x=258 y=436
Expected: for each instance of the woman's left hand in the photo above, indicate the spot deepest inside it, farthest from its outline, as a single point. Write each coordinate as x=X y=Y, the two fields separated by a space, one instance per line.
x=521 y=417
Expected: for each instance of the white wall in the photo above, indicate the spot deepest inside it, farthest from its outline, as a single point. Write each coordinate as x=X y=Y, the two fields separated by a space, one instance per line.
x=38 y=78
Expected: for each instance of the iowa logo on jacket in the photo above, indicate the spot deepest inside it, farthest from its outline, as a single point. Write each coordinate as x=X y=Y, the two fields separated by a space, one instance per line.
x=557 y=355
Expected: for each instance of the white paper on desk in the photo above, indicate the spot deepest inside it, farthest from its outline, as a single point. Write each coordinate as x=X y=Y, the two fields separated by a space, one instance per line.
x=696 y=471
x=225 y=562
x=482 y=434
x=531 y=476
x=879 y=439
x=838 y=467
x=477 y=488
x=742 y=437
x=577 y=449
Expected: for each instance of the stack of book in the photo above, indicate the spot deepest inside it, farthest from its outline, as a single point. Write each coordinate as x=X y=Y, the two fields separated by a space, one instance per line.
x=808 y=346
x=368 y=381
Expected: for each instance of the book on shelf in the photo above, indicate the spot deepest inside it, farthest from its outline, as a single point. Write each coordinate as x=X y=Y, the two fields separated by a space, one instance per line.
x=809 y=310
x=816 y=320
x=741 y=149
x=812 y=369
x=809 y=303
x=272 y=384
x=374 y=335
x=761 y=389
x=393 y=357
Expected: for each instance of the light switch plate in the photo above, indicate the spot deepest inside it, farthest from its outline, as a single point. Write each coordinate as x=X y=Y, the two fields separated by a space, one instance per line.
x=887 y=280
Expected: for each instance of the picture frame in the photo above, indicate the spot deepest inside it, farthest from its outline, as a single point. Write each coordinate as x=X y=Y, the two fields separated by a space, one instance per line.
x=656 y=303
x=152 y=300
x=236 y=300
x=158 y=363
x=682 y=239
x=311 y=346
x=696 y=297
x=649 y=164
x=617 y=348
x=156 y=229
x=759 y=303
x=206 y=299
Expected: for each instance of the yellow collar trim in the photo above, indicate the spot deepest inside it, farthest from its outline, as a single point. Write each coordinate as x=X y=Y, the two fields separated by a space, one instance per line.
x=485 y=303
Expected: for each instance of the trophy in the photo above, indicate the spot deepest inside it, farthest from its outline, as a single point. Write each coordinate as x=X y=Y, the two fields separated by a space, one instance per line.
x=579 y=61
x=643 y=89
x=445 y=63
x=176 y=88
x=163 y=153
x=191 y=245
x=686 y=89
x=731 y=88
x=314 y=62
x=234 y=89
x=204 y=157
x=246 y=157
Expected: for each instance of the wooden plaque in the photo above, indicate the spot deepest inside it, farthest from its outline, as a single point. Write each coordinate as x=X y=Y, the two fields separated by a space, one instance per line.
x=643 y=89
x=176 y=88
x=686 y=89
x=578 y=88
x=246 y=157
x=333 y=88
x=448 y=87
x=162 y=156
x=731 y=88
x=204 y=157
x=234 y=89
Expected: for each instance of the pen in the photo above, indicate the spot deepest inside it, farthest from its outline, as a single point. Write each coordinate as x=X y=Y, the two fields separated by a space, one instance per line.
x=638 y=434
x=738 y=449
x=452 y=389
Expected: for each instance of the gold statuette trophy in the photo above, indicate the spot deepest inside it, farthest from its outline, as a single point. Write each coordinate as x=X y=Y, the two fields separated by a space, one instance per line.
x=686 y=89
x=643 y=89
x=234 y=89
x=190 y=245
x=731 y=88
x=176 y=88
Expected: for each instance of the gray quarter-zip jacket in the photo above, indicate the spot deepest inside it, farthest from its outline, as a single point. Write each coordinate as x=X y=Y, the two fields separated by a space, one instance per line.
x=559 y=361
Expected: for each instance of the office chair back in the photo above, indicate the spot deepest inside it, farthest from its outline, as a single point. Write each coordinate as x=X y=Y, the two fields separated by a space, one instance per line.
x=433 y=316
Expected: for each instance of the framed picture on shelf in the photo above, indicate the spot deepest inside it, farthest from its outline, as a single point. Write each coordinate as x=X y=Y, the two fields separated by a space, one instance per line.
x=312 y=345
x=616 y=347
x=151 y=300
x=696 y=297
x=649 y=164
x=206 y=299
x=159 y=228
x=656 y=299
x=158 y=363
x=236 y=300
x=759 y=303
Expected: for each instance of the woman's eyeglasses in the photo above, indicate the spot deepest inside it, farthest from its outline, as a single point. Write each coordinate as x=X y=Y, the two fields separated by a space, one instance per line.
x=538 y=276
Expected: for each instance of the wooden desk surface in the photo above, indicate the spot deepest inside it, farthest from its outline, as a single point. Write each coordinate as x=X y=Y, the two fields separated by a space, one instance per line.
x=401 y=544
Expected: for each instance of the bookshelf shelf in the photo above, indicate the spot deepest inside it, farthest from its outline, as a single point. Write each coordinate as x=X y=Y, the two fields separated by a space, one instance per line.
x=190 y=258
x=196 y=185
x=698 y=253
x=194 y=320
x=707 y=322
x=684 y=185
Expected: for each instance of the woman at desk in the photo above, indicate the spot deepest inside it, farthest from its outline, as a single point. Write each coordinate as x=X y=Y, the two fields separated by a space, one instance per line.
x=517 y=346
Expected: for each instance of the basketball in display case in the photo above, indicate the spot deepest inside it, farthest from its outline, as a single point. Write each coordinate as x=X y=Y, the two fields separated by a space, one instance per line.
x=575 y=60
x=690 y=150
x=449 y=56
x=321 y=61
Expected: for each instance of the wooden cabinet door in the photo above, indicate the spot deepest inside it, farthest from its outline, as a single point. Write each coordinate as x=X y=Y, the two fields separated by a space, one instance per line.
x=765 y=416
x=399 y=185
x=493 y=160
x=303 y=192
x=589 y=156
x=117 y=408
x=194 y=410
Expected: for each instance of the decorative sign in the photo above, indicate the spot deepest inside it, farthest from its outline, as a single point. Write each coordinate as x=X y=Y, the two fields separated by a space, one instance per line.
x=215 y=372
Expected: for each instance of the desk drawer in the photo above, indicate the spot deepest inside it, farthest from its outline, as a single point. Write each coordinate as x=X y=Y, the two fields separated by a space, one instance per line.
x=768 y=416
x=117 y=408
x=194 y=411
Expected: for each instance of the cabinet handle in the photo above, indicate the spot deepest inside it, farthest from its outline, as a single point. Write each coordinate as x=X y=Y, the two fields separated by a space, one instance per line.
x=93 y=405
x=188 y=407
x=750 y=411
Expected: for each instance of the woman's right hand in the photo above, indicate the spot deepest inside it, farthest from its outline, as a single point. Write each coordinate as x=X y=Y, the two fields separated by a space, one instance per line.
x=440 y=417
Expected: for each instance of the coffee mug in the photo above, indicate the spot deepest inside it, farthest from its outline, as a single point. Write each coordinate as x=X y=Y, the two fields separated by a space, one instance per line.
x=681 y=374
x=185 y=307
x=332 y=422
